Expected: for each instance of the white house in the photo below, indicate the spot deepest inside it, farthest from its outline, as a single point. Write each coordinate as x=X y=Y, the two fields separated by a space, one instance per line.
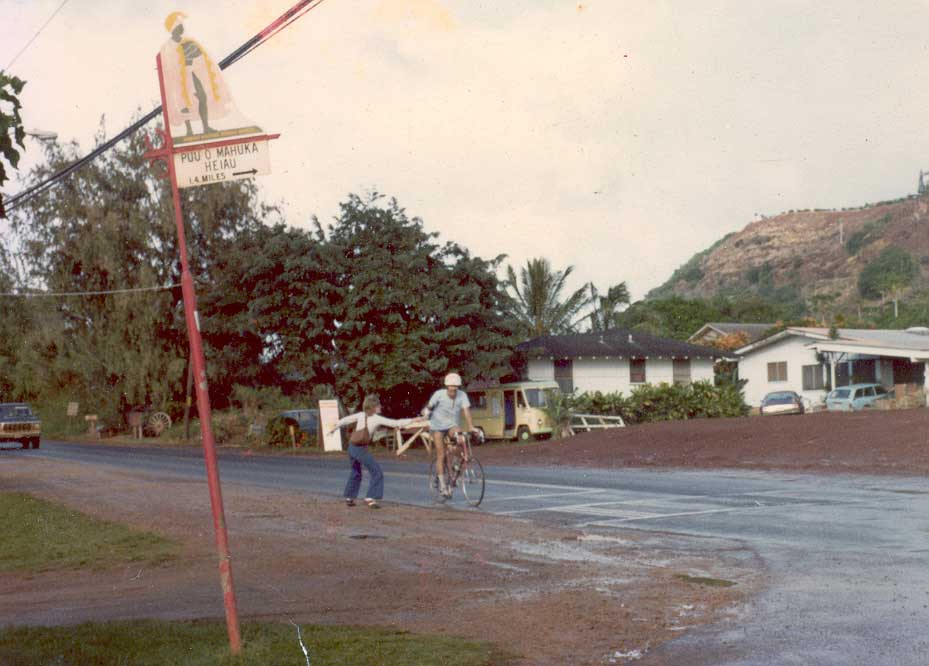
x=616 y=360
x=811 y=362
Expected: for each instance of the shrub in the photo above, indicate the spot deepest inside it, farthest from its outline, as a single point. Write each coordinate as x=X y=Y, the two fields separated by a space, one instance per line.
x=665 y=402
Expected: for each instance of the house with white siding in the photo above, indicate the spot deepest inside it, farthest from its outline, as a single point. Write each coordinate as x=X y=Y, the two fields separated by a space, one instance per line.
x=811 y=362
x=616 y=360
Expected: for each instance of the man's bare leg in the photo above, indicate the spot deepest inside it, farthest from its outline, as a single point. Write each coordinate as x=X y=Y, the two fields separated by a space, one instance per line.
x=439 y=443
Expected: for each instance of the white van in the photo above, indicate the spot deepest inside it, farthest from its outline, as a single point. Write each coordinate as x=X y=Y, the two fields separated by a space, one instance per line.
x=511 y=411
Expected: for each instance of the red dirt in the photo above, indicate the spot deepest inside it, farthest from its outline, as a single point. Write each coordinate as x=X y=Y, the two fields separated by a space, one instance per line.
x=870 y=442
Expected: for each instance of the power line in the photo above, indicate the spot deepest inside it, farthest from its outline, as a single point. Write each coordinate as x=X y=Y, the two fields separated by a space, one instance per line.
x=107 y=292
x=291 y=15
x=39 y=32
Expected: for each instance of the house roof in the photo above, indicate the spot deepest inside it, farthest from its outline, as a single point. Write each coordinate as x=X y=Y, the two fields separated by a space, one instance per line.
x=754 y=331
x=857 y=340
x=616 y=342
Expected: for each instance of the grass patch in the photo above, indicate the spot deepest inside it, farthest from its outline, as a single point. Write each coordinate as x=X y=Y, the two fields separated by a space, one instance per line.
x=202 y=643
x=702 y=580
x=41 y=536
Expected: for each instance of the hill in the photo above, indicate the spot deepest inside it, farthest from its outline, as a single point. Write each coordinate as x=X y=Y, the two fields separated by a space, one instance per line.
x=805 y=255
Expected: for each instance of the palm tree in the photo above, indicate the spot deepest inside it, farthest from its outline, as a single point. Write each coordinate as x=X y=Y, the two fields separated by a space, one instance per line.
x=603 y=317
x=535 y=301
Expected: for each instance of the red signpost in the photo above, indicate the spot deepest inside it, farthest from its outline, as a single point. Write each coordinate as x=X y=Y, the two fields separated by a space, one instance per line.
x=166 y=152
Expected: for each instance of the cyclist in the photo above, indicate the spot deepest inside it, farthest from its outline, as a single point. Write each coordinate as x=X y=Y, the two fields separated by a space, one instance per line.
x=444 y=410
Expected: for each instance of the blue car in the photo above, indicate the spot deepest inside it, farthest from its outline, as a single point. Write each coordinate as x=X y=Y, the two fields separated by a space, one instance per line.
x=855 y=397
x=306 y=420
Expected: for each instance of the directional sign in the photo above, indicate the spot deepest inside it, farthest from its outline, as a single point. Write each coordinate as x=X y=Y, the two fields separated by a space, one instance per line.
x=222 y=163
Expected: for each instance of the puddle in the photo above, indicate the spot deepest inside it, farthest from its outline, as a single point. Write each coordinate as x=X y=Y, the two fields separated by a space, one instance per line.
x=600 y=538
x=563 y=552
x=705 y=580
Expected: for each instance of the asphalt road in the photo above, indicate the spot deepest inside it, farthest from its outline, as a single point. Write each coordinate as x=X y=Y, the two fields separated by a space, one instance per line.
x=846 y=555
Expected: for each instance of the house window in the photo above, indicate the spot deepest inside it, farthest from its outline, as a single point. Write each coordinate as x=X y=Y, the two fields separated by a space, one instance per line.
x=564 y=374
x=813 y=378
x=636 y=370
x=777 y=372
x=681 y=370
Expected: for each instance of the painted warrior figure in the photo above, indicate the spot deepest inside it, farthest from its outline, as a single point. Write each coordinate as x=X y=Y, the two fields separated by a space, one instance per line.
x=194 y=85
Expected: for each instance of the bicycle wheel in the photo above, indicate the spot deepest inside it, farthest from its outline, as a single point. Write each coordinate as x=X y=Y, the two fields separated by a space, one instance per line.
x=472 y=482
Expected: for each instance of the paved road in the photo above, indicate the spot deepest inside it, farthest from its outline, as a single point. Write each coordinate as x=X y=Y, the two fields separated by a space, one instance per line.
x=847 y=554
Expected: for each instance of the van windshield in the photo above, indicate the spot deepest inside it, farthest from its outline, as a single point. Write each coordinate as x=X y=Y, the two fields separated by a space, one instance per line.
x=535 y=397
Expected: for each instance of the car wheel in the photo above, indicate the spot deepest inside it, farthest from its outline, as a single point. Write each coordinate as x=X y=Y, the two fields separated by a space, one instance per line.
x=523 y=434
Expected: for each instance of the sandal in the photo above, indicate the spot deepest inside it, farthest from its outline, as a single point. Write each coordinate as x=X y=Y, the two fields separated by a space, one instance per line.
x=349 y=501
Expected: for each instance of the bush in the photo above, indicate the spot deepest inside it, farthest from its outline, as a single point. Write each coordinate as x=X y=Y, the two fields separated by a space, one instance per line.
x=665 y=402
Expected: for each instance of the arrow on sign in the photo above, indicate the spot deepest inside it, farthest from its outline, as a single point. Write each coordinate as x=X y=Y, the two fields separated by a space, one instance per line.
x=243 y=173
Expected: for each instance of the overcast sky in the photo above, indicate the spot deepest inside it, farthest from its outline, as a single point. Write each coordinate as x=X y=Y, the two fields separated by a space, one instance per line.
x=618 y=137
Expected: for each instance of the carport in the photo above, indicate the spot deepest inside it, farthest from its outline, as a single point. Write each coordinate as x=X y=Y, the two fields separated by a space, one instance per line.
x=892 y=358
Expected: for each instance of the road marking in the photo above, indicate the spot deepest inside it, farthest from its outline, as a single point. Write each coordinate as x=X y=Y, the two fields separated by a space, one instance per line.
x=509 y=498
x=643 y=516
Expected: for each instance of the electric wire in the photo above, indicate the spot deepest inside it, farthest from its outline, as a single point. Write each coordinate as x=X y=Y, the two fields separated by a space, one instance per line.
x=291 y=15
x=106 y=292
x=38 y=32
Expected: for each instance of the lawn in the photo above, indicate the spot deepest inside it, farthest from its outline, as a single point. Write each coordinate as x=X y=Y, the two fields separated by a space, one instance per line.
x=202 y=643
x=42 y=536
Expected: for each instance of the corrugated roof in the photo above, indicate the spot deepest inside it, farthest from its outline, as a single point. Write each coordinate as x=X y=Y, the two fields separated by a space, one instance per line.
x=614 y=342
x=891 y=338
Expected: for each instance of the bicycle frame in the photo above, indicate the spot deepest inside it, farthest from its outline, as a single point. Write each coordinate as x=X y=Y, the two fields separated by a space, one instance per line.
x=462 y=468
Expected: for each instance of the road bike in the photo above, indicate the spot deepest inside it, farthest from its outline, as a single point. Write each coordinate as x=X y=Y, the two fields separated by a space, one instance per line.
x=462 y=469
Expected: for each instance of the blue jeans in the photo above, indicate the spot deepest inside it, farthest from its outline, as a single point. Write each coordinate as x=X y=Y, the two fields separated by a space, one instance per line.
x=360 y=455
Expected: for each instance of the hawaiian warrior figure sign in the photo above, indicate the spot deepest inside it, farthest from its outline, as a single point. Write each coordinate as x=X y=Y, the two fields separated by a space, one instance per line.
x=196 y=92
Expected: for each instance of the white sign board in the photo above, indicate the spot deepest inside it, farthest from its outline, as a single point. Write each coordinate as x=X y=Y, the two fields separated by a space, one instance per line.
x=328 y=416
x=220 y=164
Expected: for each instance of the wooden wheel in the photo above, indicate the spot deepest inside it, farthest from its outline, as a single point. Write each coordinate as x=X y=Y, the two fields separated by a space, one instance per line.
x=157 y=423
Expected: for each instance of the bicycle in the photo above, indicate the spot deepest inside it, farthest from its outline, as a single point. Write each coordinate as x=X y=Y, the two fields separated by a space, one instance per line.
x=462 y=469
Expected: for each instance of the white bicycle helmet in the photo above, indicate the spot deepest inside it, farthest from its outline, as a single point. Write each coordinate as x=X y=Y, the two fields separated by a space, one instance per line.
x=453 y=379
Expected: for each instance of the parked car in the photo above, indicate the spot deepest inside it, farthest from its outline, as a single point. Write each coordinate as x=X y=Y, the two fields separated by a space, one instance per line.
x=303 y=420
x=18 y=423
x=306 y=420
x=854 y=397
x=783 y=402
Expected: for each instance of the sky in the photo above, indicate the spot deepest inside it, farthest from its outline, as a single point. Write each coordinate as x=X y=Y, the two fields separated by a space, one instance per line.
x=616 y=137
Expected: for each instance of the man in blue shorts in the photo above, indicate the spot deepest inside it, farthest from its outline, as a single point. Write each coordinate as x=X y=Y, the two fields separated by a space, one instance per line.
x=444 y=410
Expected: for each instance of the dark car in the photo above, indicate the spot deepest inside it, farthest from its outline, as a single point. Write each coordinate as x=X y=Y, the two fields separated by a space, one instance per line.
x=306 y=420
x=18 y=423
x=782 y=402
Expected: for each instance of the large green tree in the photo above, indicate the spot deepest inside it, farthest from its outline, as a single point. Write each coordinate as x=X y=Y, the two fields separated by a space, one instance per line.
x=537 y=301
x=408 y=310
x=106 y=237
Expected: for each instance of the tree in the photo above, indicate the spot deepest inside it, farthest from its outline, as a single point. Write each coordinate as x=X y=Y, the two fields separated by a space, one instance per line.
x=604 y=313
x=536 y=299
x=12 y=132
x=405 y=310
x=107 y=231
x=887 y=275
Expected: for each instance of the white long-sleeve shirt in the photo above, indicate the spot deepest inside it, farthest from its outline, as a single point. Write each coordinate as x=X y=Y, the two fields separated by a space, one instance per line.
x=374 y=421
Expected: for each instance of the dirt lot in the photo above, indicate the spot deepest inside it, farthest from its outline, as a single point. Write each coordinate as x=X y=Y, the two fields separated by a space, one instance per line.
x=872 y=442
x=549 y=596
